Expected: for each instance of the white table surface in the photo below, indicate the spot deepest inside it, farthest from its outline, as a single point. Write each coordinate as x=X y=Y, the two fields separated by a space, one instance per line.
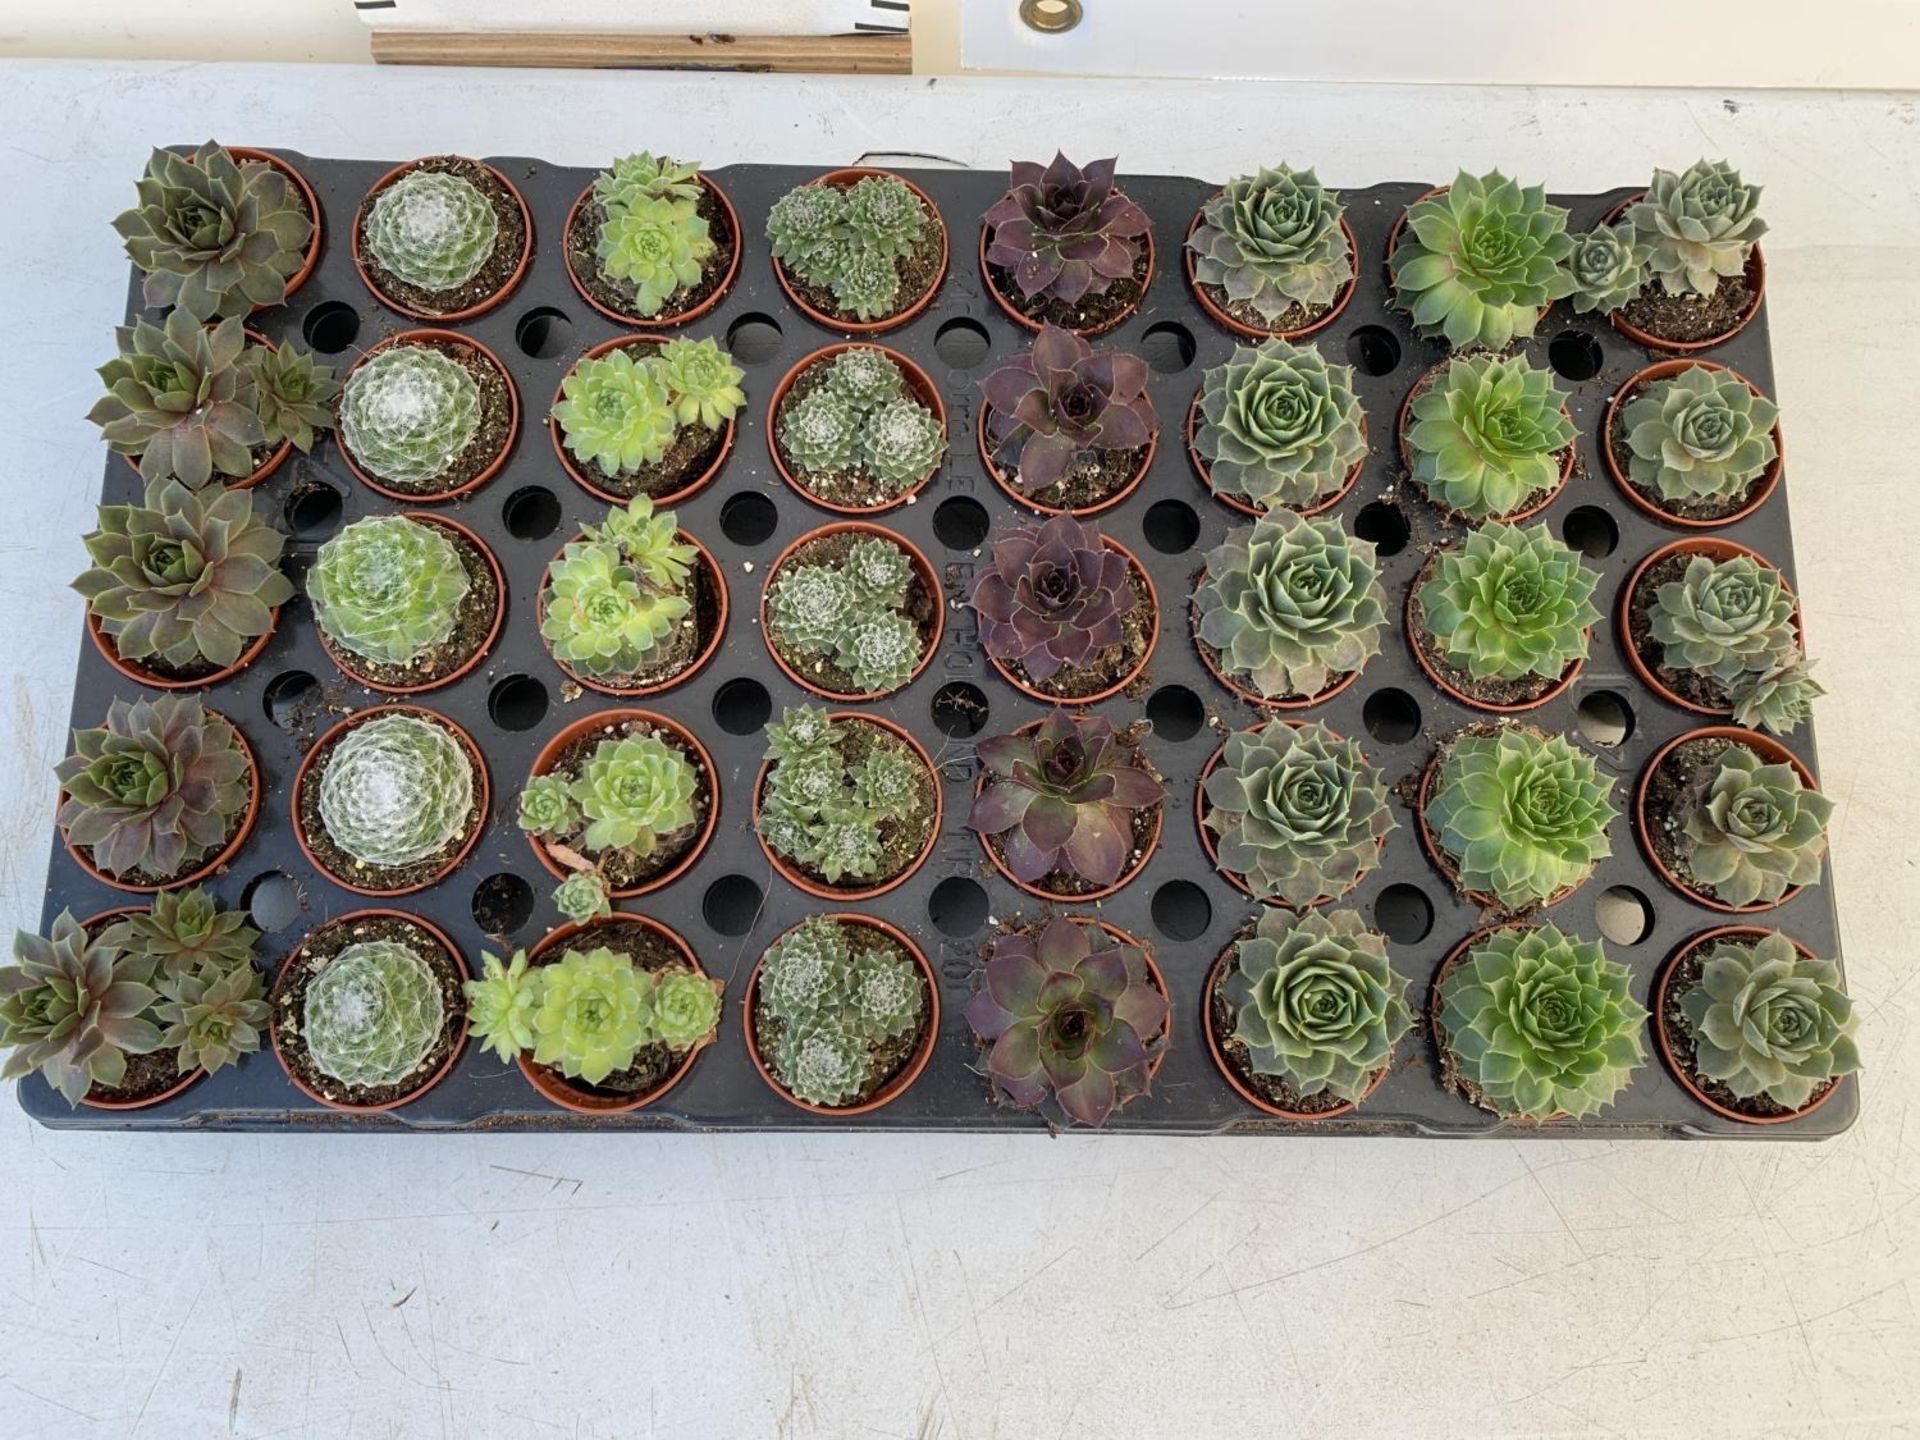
x=967 y=1288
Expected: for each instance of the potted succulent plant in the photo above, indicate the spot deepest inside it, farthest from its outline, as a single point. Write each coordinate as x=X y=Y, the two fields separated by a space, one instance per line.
x=641 y=417
x=1753 y=1025
x=427 y=415
x=602 y=1018
x=1478 y=262
x=1292 y=814
x=1067 y=429
x=1692 y=443
x=163 y=793
x=1065 y=247
x=841 y=1014
x=857 y=428
x=1731 y=819
x=846 y=805
x=390 y=800
x=627 y=796
x=652 y=242
x=1487 y=438
x=1276 y=427
x=1066 y=807
x=1289 y=610
x=406 y=603
x=1066 y=614
x=851 y=611
x=369 y=1012
x=442 y=238
x=1271 y=254
x=1072 y=1015
x=185 y=588
x=1536 y=1025
x=1503 y=621
x=1512 y=817
x=1303 y=1013
x=858 y=250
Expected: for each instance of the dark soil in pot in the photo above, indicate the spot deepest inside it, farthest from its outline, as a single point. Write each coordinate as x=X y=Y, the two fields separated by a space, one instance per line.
x=147 y=879
x=473 y=625
x=509 y=246
x=1677 y=789
x=1089 y=315
x=919 y=272
x=1684 y=976
x=1276 y=1090
x=850 y=488
x=648 y=950
x=1689 y=509
x=693 y=449
x=1693 y=686
x=490 y=439
x=887 y=1059
x=1090 y=480
x=903 y=837
x=1112 y=665
x=1063 y=882
x=583 y=239
x=922 y=607
x=1492 y=691
x=1691 y=318
x=623 y=869
x=689 y=639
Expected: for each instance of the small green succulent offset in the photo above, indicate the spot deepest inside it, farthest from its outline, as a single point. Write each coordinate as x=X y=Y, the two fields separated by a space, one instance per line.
x=849 y=241
x=1609 y=267
x=582 y=896
x=632 y=790
x=186 y=930
x=1698 y=226
x=1510 y=603
x=1273 y=240
x=862 y=419
x=501 y=1003
x=613 y=599
x=852 y=613
x=1486 y=435
x=589 y=1013
x=1292 y=604
x=372 y=1014
x=1279 y=427
x=407 y=413
x=623 y=410
x=431 y=229
x=211 y=1004
x=836 y=1002
x=645 y=176
x=74 y=1008
x=1704 y=435
x=396 y=789
x=1727 y=619
x=388 y=588
x=1479 y=262
x=1756 y=832
x=1778 y=700
x=1298 y=813
x=657 y=245
x=1316 y=1002
x=703 y=382
x=180 y=399
x=1766 y=1021
x=1522 y=815
x=547 y=806
x=293 y=393
x=825 y=812
x=1538 y=1024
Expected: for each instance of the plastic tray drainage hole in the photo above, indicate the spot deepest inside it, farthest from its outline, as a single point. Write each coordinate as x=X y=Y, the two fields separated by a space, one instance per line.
x=1384 y=525
x=1171 y=526
x=741 y=706
x=1391 y=716
x=531 y=513
x=272 y=900
x=960 y=522
x=961 y=343
x=502 y=903
x=754 y=339
x=1575 y=355
x=330 y=328
x=957 y=906
x=731 y=905
x=1623 y=915
x=291 y=699
x=748 y=518
x=1373 y=350
x=1181 y=910
x=1404 y=914
x=1175 y=713
x=1605 y=718
x=517 y=702
x=1168 y=347
x=312 y=511
x=960 y=709
x=1591 y=531
x=544 y=332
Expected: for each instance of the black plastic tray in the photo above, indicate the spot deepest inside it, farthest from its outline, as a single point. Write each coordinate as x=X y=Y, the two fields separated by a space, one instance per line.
x=956 y=339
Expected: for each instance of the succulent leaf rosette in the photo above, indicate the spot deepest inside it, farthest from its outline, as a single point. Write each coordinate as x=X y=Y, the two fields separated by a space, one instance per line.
x=832 y=813
x=388 y=588
x=180 y=399
x=842 y=994
x=1273 y=240
x=861 y=418
x=1777 y=700
x=1479 y=262
x=1609 y=267
x=1512 y=602
x=852 y=612
x=1065 y=232
x=1063 y=404
x=293 y=394
x=74 y=1008
x=614 y=598
x=431 y=229
x=632 y=790
x=583 y=896
x=652 y=235
x=1704 y=436
x=1698 y=226
x=1767 y=1022
x=1726 y=619
x=408 y=412
x=1279 y=426
x=849 y=241
x=1054 y=597
x=372 y=1014
x=1755 y=833
x=186 y=930
x=1486 y=435
x=396 y=789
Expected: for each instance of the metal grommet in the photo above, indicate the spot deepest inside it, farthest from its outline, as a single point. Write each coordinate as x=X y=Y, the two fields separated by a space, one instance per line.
x=1051 y=17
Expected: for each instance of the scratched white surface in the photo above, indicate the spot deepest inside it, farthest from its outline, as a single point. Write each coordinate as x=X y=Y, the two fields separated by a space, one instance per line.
x=526 y=1286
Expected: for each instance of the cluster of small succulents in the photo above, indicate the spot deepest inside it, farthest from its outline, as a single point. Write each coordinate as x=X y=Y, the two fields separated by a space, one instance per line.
x=1766 y=1022
x=839 y=992
x=1703 y=436
x=388 y=588
x=614 y=597
x=850 y=241
x=631 y=790
x=1062 y=405
x=652 y=235
x=1279 y=426
x=1478 y=262
x=622 y=411
x=1734 y=621
x=1486 y=436
x=372 y=1013
x=1065 y=233
x=407 y=413
x=1054 y=597
x=861 y=419
x=396 y=789
x=1755 y=832
x=1511 y=603
x=833 y=815
x=1274 y=241
x=851 y=612
x=432 y=229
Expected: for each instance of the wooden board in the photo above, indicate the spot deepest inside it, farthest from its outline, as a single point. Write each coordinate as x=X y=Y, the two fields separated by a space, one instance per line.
x=818 y=54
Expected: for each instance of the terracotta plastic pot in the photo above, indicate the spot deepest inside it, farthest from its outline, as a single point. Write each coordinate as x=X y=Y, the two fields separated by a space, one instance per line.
x=1714 y=549
x=662 y=321
x=93 y=925
x=578 y=1098
x=1770 y=751
x=792 y=874
x=601 y=719
x=593 y=487
x=1443 y=862
x=312 y=201
x=1737 y=933
x=347 y=661
x=845 y=179
x=1393 y=243
x=434 y=933
x=481 y=783
x=445 y=337
x=907 y=1074
x=1433 y=673
x=929 y=577
x=716 y=581
x=442 y=317
x=1027 y=322
x=1204 y=471
x=1756 y=277
x=266 y=467
x=1435 y=1006
x=1139 y=572
x=1302 y=702
x=1225 y=321
x=141 y=675
x=219 y=858
x=1081 y=512
x=1233 y=1077
x=1662 y=370
x=1526 y=512
x=919 y=384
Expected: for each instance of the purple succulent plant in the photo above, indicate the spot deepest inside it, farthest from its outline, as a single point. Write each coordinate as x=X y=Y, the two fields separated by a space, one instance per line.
x=1061 y=402
x=1065 y=233
x=1072 y=1018
x=1054 y=596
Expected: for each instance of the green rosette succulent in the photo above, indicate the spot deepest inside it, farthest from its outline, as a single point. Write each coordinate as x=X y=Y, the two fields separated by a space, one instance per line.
x=852 y=613
x=1511 y=602
x=824 y=1066
x=805 y=229
x=1697 y=226
x=1291 y=604
x=501 y=1004
x=1520 y=815
x=806 y=978
x=703 y=382
x=1702 y=436
x=180 y=399
x=686 y=1008
x=616 y=412
x=901 y=443
x=887 y=998
x=396 y=789
x=1480 y=261
x=1726 y=619
x=658 y=246
x=821 y=431
x=1756 y=832
x=866 y=284
x=211 y=1017
x=1609 y=267
x=861 y=418
x=1537 y=1024
x=593 y=1012
x=293 y=393
x=582 y=896
x=372 y=1014
x=827 y=813
x=811 y=606
x=1777 y=700
x=849 y=241
x=649 y=540
x=633 y=178
x=1279 y=426
x=433 y=230
x=1768 y=1022
x=547 y=806
x=835 y=1001
x=1299 y=813
x=884 y=216
x=1316 y=1002
x=407 y=413
x=865 y=377
x=1273 y=240
x=74 y=1008
x=632 y=791
x=602 y=617
x=388 y=588
x=1485 y=436
x=186 y=931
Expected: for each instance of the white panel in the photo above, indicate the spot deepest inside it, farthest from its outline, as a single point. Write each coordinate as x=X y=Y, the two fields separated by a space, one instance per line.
x=636 y=17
